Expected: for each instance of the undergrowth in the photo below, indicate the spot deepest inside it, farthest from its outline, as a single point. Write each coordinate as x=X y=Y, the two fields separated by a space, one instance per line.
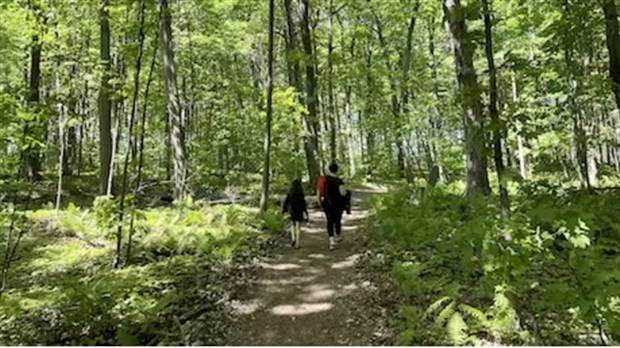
x=63 y=290
x=548 y=275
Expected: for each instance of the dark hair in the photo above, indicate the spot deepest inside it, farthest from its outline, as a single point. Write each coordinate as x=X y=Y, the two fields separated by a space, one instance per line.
x=333 y=168
x=296 y=189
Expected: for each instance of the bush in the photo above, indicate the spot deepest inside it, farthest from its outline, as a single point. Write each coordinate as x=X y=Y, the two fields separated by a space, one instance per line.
x=548 y=275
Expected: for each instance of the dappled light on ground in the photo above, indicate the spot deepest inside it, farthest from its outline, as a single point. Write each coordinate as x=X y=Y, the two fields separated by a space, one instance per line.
x=301 y=309
x=307 y=296
x=281 y=267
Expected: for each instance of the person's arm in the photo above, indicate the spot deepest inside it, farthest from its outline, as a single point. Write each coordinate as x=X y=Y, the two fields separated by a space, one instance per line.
x=285 y=205
x=343 y=189
x=305 y=206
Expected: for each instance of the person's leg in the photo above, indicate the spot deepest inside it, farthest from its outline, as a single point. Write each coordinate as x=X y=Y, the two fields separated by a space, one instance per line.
x=297 y=233
x=329 y=214
x=330 y=223
x=293 y=232
x=338 y=224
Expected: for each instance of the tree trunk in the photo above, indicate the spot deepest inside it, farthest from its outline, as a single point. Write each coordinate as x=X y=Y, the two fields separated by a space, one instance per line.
x=404 y=95
x=130 y=136
x=581 y=147
x=613 y=46
x=31 y=165
x=521 y=150
x=330 y=87
x=312 y=101
x=61 y=143
x=477 y=176
x=267 y=144
x=494 y=113
x=174 y=108
x=435 y=121
x=138 y=182
x=105 y=104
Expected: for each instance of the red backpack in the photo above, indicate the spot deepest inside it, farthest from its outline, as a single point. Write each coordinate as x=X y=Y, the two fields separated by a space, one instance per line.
x=322 y=186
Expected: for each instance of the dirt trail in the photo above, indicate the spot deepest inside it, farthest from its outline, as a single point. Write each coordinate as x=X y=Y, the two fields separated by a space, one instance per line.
x=311 y=295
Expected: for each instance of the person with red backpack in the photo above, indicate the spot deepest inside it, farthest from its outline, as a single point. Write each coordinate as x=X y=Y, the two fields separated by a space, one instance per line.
x=334 y=198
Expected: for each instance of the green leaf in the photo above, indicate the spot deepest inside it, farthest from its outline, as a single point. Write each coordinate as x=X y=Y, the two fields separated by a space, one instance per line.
x=445 y=314
x=457 y=329
x=435 y=305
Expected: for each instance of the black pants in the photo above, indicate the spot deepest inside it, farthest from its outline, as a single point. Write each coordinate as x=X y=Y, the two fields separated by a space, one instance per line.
x=334 y=221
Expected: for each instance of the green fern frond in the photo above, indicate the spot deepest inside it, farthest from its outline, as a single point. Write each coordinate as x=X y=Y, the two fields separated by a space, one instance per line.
x=445 y=314
x=457 y=329
x=474 y=312
x=435 y=305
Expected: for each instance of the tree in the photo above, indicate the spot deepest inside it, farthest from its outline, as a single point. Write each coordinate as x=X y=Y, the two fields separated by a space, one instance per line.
x=493 y=112
x=105 y=104
x=613 y=46
x=267 y=140
x=475 y=149
x=174 y=108
x=312 y=100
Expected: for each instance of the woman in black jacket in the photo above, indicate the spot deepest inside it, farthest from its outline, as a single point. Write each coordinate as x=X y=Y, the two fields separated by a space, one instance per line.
x=295 y=205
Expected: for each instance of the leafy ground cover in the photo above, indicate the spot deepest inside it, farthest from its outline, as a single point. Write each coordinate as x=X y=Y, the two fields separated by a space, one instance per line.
x=547 y=275
x=62 y=288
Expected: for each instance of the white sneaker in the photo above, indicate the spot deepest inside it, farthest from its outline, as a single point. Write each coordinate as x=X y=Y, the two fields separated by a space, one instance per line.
x=332 y=243
x=338 y=239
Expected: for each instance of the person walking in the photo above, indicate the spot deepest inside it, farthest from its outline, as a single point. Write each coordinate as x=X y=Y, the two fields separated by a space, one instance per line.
x=295 y=205
x=334 y=198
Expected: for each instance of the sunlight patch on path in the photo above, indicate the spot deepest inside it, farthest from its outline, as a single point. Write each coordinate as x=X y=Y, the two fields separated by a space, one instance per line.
x=346 y=263
x=301 y=309
x=280 y=267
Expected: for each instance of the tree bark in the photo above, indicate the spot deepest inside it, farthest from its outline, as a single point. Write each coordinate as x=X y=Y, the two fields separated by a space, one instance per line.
x=130 y=136
x=333 y=147
x=312 y=100
x=267 y=141
x=295 y=80
x=174 y=109
x=613 y=46
x=477 y=176
x=105 y=104
x=138 y=182
x=31 y=165
x=493 y=111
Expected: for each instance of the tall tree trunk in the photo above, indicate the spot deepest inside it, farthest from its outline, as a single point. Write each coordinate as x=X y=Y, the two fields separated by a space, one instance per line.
x=312 y=100
x=295 y=80
x=130 y=136
x=394 y=96
x=174 y=108
x=521 y=143
x=138 y=182
x=404 y=94
x=105 y=104
x=613 y=46
x=477 y=176
x=493 y=111
x=333 y=147
x=267 y=144
x=581 y=147
x=31 y=165
x=435 y=122
x=368 y=113
x=61 y=143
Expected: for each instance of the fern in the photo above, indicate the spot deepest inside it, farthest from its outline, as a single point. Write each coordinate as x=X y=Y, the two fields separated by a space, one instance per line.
x=475 y=313
x=456 y=329
x=445 y=313
x=435 y=305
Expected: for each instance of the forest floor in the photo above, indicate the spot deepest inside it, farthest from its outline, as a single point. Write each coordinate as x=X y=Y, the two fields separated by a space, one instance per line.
x=311 y=295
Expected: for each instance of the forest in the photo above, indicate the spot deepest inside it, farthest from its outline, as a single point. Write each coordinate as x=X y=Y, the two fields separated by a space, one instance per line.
x=146 y=146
